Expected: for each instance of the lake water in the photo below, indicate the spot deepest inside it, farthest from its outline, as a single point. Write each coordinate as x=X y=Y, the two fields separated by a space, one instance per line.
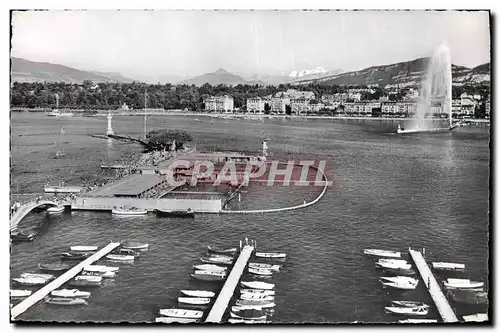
x=389 y=192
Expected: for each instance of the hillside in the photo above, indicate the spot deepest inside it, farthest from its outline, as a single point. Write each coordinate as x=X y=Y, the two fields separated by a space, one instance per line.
x=409 y=73
x=221 y=76
x=31 y=71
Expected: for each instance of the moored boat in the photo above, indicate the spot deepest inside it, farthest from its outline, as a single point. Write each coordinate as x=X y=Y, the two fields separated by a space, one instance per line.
x=382 y=253
x=448 y=266
x=210 y=267
x=80 y=248
x=74 y=255
x=56 y=267
x=229 y=251
x=70 y=293
x=100 y=268
x=468 y=296
x=20 y=236
x=81 y=283
x=47 y=277
x=257 y=285
x=261 y=303
x=401 y=279
x=395 y=261
x=261 y=296
x=273 y=255
x=399 y=271
x=249 y=314
x=193 y=300
x=462 y=284
x=418 y=321
x=56 y=209
x=30 y=281
x=120 y=257
x=181 y=313
x=409 y=304
x=208 y=275
x=399 y=284
x=419 y=311
x=17 y=293
x=198 y=293
x=217 y=260
x=133 y=245
x=172 y=320
x=132 y=211
x=477 y=317
x=275 y=268
x=128 y=252
x=260 y=271
x=246 y=321
x=257 y=292
x=65 y=301
x=104 y=275
x=174 y=213
x=97 y=279
x=392 y=265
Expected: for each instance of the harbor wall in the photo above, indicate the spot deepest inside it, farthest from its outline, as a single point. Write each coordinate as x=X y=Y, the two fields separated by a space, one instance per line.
x=108 y=203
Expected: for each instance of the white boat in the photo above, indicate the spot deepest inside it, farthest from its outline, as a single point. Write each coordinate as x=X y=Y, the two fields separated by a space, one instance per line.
x=173 y=320
x=417 y=321
x=104 y=275
x=399 y=279
x=270 y=255
x=462 y=284
x=217 y=260
x=409 y=304
x=30 y=281
x=478 y=317
x=65 y=301
x=392 y=265
x=83 y=248
x=275 y=268
x=133 y=245
x=62 y=189
x=47 y=277
x=100 y=268
x=399 y=282
x=448 y=266
x=382 y=253
x=181 y=313
x=257 y=292
x=120 y=257
x=257 y=285
x=198 y=293
x=89 y=278
x=209 y=275
x=245 y=321
x=261 y=296
x=401 y=130
x=260 y=271
x=210 y=267
x=422 y=311
x=194 y=300
x=259 y=303
x=249 y=314
x=395 y=261
x=56 y=209
x=19 y=293
x=73 y=293
x=129 y=211
x=230 y=251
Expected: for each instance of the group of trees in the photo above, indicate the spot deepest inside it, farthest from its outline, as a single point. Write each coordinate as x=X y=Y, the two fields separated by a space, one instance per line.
x=163 y=139
x=104 y=96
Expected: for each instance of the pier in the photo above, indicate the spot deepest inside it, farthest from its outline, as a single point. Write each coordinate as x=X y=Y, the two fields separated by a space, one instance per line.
x=225 y=295
x=46 y=290
x=445 y=311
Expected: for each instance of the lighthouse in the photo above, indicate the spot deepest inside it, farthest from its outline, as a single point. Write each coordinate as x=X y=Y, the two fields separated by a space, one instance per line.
x=264 y=148
x=110 y=129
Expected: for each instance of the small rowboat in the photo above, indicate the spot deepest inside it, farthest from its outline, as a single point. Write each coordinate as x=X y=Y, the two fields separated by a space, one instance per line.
x=398 y=285
x=468 y=296
x=129 y=211
x=257 y=285
x=16 y=293
x=256 y=302
x=104 y=275
x=394 y=261
x=257 y=292
x=422 y=311
x=193 y=300
x=134 y=245
x=81 y=283
x=249 y=314
x=418 y=321
x=74 y=255
x=53 y=267
x=393 y=265
x=47 y=277
x=174 y=213
x=83 y=248
x=478 y=317
x=244 y=321
x=260 y=296
x=181 y=313
x=409 y=304
x=172 y=320
x=230 y=251
x=30 y=281
x=216 y=260
x=260 y=271
x=70 y=293
x=128 y=252
x=89 y=278
x=270 y=267
x=120 y=257
x=448 y=266
x=100 y=268
x=65 y=301
x=210 y=267
x=274 y=255
x=382 y=253
x=56 y=209
x=198 y=293
x=462 y=284
x=208 y=275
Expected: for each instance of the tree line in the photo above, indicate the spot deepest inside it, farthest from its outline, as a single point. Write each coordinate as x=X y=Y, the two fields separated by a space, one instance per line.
x=104 y=96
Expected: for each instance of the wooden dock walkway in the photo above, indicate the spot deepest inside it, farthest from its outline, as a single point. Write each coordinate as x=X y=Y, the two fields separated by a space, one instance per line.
x=227 y=292
x=46 y=290
x=445 y=311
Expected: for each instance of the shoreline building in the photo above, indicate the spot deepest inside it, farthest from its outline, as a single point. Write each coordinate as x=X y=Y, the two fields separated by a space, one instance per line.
x=219 y=104
x=256 y=105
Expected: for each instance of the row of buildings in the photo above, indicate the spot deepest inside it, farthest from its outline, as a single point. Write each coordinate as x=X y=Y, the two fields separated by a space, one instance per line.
x=305 y=102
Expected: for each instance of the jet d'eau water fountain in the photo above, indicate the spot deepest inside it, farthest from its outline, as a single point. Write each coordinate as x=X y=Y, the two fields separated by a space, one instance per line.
x=435 y=95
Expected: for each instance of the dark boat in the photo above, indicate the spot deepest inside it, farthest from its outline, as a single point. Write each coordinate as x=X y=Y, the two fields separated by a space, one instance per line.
x=175 y=213
x=469 y=296
x=84 y=283
x=56 y=267
x=19 y=236
x=74 y=255
x=129 y=252
x=230 y=251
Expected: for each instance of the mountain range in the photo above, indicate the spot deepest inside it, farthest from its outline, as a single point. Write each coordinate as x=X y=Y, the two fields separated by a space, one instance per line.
x=409 y=73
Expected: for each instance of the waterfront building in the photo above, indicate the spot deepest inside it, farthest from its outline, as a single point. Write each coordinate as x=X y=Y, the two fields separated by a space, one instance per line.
x=456 y=106
x=279 y=103
x=299 y=105
x=295 y=94
x=315 y=106
x=361 y=108
x=356 y=96
x=468 y=105
x=390 y=108
x=255 y=105
x=219 y=103
x=407 y=108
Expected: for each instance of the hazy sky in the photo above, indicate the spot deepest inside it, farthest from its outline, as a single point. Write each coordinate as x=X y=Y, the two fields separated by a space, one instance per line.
x=189 y=43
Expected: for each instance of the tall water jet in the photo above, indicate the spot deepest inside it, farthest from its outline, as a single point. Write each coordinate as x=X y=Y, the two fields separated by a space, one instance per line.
x=434 y=94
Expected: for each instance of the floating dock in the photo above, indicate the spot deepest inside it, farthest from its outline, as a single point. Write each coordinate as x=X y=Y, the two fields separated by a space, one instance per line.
x=46 y=290
x=445 y=311
x=227 y=292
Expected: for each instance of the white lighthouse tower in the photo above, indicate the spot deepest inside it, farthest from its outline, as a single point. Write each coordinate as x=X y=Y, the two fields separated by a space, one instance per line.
x=110 y=128
x=264 y=148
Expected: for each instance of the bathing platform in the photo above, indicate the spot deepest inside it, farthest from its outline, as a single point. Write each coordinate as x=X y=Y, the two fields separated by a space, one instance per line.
x=445 y=311
x=221 y=303
x=46 y=290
